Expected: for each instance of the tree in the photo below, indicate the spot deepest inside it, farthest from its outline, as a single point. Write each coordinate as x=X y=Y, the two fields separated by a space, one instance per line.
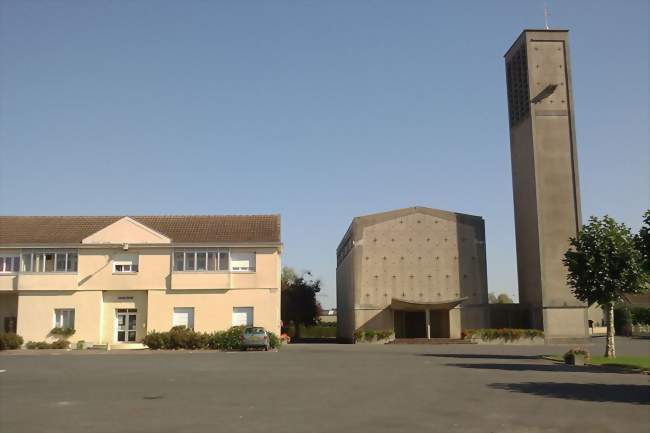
x=603 y=264
x=287 y=277
x=503 y=298
x=298 y=299
x=642 y=241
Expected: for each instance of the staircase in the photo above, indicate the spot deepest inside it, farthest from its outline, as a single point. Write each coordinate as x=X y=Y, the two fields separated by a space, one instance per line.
x=430 y=341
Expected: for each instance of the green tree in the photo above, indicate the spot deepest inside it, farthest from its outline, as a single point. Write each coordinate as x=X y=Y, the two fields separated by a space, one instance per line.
x=642 y=241
x=603 y=263
x=287 y=277
x=492 y=299
x=503 y=298
x=298 y=299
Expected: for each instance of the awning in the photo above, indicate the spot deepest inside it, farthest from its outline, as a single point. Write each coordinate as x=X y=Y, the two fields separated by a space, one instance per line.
x=401 y=304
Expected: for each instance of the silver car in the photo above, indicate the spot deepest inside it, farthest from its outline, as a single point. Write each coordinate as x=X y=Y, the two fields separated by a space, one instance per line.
x=255 y=336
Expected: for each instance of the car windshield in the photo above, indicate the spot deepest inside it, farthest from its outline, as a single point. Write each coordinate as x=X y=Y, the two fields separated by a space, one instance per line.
x=253 y=331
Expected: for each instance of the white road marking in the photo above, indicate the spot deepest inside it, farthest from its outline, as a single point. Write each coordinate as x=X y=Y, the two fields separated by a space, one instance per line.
x=3 y=371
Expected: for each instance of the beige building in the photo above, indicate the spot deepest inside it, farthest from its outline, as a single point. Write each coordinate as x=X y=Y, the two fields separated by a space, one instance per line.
x=418 y=272
x=545 y=181
x=113 y=279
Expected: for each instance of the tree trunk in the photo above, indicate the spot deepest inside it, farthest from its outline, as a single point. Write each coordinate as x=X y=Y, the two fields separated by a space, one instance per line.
x=610 y=349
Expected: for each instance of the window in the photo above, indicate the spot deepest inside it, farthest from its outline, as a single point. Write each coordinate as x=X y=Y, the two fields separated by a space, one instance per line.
x=125 y=264
x=64 y=318
x=178 y=261
x=201 y=260
x=242 y=316
x=183 y=316
x=50 y=261
x=9 y=264
x=243 y=261
x=224 y=260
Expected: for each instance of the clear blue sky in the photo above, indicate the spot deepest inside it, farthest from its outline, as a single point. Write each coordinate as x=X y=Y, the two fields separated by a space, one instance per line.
x=319 y=111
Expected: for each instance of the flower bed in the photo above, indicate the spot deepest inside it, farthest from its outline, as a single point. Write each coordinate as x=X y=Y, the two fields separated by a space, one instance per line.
x=504 y=336
x=371 y=336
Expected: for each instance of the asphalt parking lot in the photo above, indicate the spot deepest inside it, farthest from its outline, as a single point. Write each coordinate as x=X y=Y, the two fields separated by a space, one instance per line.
x=321 y=388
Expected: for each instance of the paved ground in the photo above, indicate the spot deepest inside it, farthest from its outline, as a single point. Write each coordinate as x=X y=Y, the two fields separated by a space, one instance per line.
x=321 y=388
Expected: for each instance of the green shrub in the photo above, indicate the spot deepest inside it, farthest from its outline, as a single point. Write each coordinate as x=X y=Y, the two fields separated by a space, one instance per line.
x=358 y=335
x=10 y=340
x=80 y=344
x=384 y=334
x=317 y=331
x=568 y=357
x=622 y=320
x=62 y=332
x=640 y=315
x=60 y=344
x=156 y=340
x=274 y=340
x=180 y=337
x=37 y=345
x=370 y=335
x=507 y=334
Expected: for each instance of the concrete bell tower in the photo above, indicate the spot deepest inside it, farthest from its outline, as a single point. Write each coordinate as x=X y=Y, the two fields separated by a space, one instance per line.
x=544 y=179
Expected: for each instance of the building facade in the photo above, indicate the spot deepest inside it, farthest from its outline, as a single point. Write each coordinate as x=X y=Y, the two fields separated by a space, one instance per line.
x=418 y=272
x=545 y=179
x=113 y=279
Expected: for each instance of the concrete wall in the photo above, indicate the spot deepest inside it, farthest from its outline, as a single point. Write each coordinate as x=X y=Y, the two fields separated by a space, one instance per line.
x=417 y=255
x=36 y=313
x=545 y=183
x=213 y=308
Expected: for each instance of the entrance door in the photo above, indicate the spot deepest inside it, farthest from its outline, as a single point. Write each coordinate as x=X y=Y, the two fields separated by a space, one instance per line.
x=126 y=325
x=410 y=324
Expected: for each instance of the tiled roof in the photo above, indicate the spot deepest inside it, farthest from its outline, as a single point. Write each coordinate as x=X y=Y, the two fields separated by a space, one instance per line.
x=180 y=229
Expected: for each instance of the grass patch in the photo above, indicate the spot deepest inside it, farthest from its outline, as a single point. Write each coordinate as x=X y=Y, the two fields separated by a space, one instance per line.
x=640 y=362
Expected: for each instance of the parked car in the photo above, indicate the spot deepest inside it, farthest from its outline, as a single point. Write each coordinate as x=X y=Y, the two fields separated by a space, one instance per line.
x=255 y=336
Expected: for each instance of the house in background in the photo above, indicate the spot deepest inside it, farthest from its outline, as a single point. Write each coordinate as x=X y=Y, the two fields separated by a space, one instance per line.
x=113 y=279
x=418 y=272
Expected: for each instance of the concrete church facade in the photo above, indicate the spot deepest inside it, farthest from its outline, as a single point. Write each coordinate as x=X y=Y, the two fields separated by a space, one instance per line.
x=422 y=272
x=418 y=272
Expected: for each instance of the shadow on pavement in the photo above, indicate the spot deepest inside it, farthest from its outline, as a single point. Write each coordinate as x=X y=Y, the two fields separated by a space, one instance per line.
x=313 y=341
x=544 y=367
x=637 y=394
x=479 y=356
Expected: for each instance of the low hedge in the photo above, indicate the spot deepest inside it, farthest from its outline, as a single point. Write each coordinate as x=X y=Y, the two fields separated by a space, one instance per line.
x=317 y=331
x=180 y=337
x=9 y=340
x=372 y=335
x=508 y=334
x=58 y=344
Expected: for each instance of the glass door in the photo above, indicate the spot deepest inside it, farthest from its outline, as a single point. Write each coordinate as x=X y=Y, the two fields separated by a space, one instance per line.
x=126 y=325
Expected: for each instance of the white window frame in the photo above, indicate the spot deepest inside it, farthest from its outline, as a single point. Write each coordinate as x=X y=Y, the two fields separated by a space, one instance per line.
x=182 y=310
x=59 y=313
x=32 y=254
x=196 y=252
x=129 y=265
x=252 y=260
x=13 y=260
x=247 y=308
